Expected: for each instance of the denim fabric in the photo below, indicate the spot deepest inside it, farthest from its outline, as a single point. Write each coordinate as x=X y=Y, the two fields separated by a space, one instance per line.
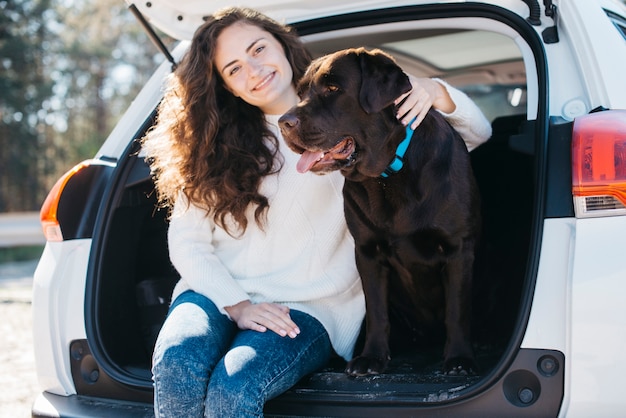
x=204 y=366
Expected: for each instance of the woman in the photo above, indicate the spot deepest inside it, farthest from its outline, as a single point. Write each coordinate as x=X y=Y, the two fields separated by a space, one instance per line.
x=269 y=288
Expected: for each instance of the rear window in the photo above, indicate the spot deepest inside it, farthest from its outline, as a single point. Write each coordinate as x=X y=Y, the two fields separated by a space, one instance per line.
x=457 y=51
x=486 y=65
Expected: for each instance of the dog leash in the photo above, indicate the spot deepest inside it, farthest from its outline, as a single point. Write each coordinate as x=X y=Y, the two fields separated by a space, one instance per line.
x=398 y=161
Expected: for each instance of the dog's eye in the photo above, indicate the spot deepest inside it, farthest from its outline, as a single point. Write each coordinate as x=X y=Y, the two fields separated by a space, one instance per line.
x=331 y=88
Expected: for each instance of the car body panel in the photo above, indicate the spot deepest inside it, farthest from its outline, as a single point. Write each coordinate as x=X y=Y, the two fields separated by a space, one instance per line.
x=59 y=298
x=180 y=19
x=578 y=309
x=598 y=334
x=588 y=29
x=547 y=324
x=53 y=405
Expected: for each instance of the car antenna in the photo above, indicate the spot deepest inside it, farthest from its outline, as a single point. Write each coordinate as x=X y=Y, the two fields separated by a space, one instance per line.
x=153 y=36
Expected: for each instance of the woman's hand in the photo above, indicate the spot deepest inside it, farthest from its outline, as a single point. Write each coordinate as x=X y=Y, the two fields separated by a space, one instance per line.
x=263 y=316
x=426 y=93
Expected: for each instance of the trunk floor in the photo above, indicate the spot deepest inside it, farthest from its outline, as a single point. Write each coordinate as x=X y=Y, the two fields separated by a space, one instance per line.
x=417 y=377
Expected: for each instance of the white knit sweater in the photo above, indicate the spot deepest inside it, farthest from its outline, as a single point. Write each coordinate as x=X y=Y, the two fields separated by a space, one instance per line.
x=303 y=259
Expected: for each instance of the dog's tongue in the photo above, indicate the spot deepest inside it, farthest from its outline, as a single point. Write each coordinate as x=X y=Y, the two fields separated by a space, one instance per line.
x=308 y=160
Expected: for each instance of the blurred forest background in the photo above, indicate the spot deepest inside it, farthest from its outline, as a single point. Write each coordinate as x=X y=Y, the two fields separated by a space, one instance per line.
x=68 y=71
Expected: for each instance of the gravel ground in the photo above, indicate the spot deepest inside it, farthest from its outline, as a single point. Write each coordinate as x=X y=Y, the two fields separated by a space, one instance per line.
x=18 y=381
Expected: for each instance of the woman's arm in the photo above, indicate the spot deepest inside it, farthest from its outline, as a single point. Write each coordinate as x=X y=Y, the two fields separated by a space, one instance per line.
x=190 y=239
x=191 y=250
x=458 y=109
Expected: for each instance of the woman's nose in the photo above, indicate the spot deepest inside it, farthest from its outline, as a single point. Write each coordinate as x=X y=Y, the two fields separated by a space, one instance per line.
x=255 y=67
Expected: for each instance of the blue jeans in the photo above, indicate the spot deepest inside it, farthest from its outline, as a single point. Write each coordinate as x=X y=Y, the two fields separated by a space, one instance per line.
x=205 y=366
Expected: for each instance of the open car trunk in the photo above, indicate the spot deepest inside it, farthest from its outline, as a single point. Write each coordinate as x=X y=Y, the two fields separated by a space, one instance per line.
x=131 y=280
x=135 y=280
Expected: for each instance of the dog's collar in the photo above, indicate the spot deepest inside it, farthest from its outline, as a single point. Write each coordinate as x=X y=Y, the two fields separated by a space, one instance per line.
x=398 y=161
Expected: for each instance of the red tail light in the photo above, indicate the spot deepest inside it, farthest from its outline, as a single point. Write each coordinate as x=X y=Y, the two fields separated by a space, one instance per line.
x=48 y=213
x=599 y=164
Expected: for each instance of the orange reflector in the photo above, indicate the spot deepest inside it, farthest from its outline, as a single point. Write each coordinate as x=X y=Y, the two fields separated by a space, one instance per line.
x=48 y=213
x=599 y=163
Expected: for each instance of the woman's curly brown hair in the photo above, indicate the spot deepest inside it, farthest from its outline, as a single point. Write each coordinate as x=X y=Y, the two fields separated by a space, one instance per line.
x=208 y=144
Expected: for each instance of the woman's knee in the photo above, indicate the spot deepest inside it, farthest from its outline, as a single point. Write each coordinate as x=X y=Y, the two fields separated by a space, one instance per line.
x=261 y=366
x=193 y=337
x=176 y=361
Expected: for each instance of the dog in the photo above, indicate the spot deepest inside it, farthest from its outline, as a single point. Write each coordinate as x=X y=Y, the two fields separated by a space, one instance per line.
x=415 y=218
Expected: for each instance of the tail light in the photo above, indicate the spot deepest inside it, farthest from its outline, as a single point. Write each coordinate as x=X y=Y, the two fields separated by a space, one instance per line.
x=599 y=164
x=48 y=213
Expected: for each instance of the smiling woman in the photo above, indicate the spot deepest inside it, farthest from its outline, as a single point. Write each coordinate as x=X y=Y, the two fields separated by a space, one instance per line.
x=219 y=301
x=241 y=70
x=254 y=68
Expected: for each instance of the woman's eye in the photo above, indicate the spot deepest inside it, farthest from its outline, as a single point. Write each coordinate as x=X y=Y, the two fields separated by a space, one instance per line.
x=259 y=49
x=233 y=71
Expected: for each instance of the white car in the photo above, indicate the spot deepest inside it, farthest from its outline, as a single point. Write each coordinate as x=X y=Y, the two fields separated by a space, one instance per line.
x=550 y=334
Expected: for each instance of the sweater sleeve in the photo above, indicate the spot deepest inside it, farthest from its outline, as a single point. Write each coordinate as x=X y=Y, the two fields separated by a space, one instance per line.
x=191 y=249
x=468 y=120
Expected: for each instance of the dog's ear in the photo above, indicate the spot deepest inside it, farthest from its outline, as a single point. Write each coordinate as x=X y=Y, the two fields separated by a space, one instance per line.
x=382 y=80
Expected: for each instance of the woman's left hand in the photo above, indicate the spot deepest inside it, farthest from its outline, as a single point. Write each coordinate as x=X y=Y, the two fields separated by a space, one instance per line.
x=262 y=317
x=426 y=93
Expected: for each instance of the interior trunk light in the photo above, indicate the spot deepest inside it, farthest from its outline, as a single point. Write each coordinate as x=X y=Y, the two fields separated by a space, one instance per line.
x=599 y=164
x=48 y=213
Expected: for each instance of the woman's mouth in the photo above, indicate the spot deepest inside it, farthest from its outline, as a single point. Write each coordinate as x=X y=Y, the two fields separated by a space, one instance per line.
x=266 y=80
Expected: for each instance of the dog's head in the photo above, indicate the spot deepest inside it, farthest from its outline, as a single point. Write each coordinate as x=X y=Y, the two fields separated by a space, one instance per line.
x=345 y=119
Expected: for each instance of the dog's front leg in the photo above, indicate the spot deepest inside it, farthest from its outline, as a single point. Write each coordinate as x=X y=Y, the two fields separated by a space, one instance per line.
x=458 y=352
x=375 y=355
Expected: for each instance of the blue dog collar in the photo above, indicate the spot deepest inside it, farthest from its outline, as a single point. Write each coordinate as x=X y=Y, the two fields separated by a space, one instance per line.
x=398 y=161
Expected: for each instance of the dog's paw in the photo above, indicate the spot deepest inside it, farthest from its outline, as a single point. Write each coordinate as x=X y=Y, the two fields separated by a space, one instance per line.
x=365 y=366
x=460 y=366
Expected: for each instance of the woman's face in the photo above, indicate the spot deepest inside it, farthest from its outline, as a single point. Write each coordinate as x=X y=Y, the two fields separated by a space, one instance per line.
x=254 y=67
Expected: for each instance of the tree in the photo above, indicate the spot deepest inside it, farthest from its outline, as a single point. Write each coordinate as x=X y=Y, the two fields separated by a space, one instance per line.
x=68 y=70
x=25 y=88
x=104 y=61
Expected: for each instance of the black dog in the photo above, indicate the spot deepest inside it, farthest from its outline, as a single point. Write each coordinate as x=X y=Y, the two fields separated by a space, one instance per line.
x=414 y=217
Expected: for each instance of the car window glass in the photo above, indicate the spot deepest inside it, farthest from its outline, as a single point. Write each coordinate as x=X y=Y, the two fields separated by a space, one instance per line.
x=487 y=66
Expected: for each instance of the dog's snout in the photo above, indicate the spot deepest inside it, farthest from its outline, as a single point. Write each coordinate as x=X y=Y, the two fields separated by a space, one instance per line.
x=288 y=122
